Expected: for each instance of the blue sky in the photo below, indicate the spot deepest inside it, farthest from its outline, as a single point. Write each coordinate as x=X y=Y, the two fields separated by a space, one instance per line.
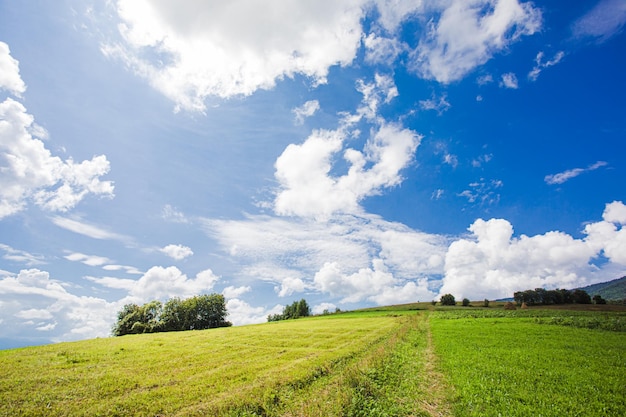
x=354 y=153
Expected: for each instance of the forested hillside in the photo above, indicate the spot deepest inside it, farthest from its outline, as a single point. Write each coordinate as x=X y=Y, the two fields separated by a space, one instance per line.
x=610 y=290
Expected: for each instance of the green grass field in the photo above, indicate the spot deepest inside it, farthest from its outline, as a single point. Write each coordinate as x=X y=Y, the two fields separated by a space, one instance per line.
x=396 y=361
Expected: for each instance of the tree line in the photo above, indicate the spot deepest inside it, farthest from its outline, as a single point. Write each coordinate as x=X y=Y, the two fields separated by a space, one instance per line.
x=196 y=313
x=293 y=311
x=541 y=296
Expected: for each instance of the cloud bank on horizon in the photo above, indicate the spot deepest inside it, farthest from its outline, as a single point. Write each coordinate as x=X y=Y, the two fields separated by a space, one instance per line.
x=367 y=90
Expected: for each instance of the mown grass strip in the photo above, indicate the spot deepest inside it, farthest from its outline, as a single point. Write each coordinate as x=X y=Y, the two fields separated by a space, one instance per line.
x=514 y=366
x=213 y=372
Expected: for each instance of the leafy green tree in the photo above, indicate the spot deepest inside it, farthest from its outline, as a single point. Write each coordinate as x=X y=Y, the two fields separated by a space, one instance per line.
x=466 y=302
x=447 y=300
x=294 y=310
x=597 y=299
x=195 y=313
x=581 y=297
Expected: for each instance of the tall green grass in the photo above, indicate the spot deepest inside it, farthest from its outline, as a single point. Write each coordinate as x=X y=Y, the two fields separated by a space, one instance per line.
x=513 y=364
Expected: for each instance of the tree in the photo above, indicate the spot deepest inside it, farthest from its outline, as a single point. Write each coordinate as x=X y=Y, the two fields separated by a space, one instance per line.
x=597 y=299
x=581 y=297
x=195 y=313
x=447 y=300
x=294 y=310
x=466 y=302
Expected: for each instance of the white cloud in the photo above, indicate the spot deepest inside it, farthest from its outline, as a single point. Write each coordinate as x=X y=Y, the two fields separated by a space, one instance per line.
x=437 y=194
x=308 y=109
x=609 y=235
x=382 y=50
x=320 y=308
x=439 y=104
x=235 y=292
x=289 y=285
x=290 y=251
x=483 y=192
x=194 y=50
x=307 y=187
x=177 y=252
x=509 y=80
x=491 y=263
x=375 y=284
x=34 y=314
x=86 y=229
x=16 y=255
x=564 y=176
x=31 y=173
x=10 y=78
x=468 y=33
x=159 y=283
x=240 y=312
x=171 y=214
x=91 y=260
x=604 y=21
x=540 y=65
x=45 y=305
x=484 y=79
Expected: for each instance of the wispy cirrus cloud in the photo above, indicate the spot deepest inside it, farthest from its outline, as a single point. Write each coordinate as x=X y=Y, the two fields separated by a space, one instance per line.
x=540 y=64
x=564 y=176
x=308 y=109
x=16 y=255
x=605 y=20
x=86 y=229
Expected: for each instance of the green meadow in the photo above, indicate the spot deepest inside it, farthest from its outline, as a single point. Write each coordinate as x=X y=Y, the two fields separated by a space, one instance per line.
x=412 y=360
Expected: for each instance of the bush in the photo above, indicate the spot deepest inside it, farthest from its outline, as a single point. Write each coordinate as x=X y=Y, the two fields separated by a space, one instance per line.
x=448 y=300
x=466 y=302
x=486 y=303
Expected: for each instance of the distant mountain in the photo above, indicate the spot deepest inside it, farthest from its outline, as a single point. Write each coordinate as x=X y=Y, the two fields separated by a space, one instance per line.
x=610 y=290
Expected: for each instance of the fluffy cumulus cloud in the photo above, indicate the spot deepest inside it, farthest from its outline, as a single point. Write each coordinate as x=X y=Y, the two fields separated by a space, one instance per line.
x=160 y=283
x=491 y=263
x=10 y=79
x=177 y=252
x=609 y=235
x=376 y=284
x=307 y=186
x=509 y=80
x=33 y=300
x=467 y=33
x=30 y=173
x=301 y=254
x=194 y=50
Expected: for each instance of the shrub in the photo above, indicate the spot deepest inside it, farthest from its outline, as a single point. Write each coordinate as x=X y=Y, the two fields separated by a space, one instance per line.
x=448 y=300
x=486 y=303
x=466 y=302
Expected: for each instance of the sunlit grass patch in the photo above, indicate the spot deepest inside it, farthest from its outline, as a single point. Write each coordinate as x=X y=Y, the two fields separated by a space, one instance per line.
x=511 y=365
